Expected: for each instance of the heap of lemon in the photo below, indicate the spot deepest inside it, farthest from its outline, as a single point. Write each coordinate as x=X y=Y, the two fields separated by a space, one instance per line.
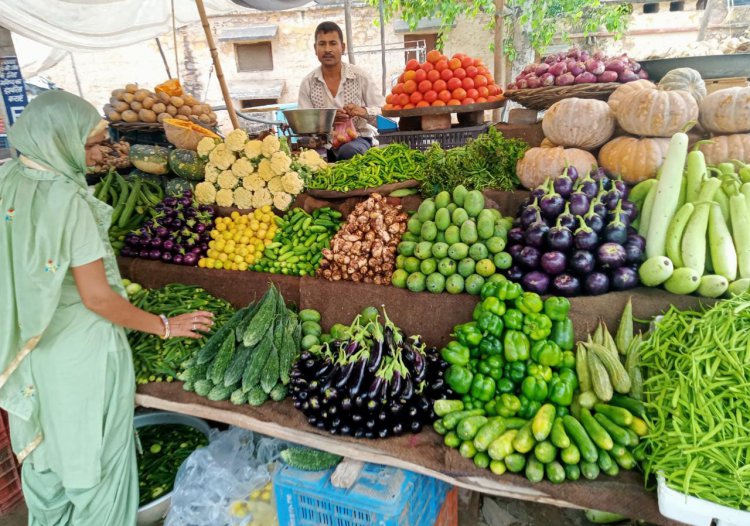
x=238 y=241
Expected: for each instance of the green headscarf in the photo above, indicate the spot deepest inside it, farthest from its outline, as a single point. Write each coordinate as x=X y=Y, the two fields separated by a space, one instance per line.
x=36 y=204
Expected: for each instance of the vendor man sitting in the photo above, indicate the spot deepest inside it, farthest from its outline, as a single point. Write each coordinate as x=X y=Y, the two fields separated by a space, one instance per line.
x=336 y=84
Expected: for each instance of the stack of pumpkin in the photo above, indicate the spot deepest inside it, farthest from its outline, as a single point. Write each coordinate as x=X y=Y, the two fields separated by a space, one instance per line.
x=726 y=115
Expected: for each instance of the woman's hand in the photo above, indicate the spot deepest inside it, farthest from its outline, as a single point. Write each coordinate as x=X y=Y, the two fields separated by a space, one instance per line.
x=188 y=325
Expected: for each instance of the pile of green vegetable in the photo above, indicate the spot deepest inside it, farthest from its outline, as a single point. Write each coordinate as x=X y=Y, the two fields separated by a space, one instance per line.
x=489 y=161
x=378 y=166
x=453 y=243
x=250 y=357
x=161 y=451
x=309 y=459
x=297 y=247
x=697 y=366
x=157 y=360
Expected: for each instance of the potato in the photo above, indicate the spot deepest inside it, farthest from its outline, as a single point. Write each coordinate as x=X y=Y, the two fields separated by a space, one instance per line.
x=128 y=97
x=164 y=97
x=189 y=100
x=119 y=105
x=131 y=88
x=114 y=116
x=158 y=107
x=162 y=116
x=205 y=119
x=171 y=110
x=176 y=101
x=107 y=107
x=129 y=116
x=136 y=106
x=184 y=110
x=141 y=94
x=182 y=117
x=148 y=102
x=147 y=115
x=118 y=93
x=213 y=116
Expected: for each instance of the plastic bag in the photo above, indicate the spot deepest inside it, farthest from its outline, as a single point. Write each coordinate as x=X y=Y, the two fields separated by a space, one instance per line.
x=227 y=483
x=343 y=132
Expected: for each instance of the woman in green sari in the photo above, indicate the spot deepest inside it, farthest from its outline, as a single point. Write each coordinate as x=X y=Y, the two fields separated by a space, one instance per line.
x=66 y=373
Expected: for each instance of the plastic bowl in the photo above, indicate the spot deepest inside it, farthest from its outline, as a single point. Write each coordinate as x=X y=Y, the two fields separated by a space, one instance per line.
x=155 y=511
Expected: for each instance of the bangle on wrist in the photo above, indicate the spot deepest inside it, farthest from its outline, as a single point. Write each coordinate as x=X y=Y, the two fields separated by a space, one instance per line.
x=167 y=329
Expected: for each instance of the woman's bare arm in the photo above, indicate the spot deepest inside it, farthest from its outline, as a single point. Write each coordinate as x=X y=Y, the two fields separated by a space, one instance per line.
x=98 y=296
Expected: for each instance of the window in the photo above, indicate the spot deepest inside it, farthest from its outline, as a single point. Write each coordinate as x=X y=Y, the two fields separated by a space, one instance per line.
x=254 y=103
x=254 y=57
x=414 y=40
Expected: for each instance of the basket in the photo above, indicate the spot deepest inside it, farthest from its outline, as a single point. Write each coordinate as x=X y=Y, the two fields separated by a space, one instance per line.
x=542 y=98
x=697 y=512
x=139 y=133
x=384 y=496
x=10 y=480
x=422 y=140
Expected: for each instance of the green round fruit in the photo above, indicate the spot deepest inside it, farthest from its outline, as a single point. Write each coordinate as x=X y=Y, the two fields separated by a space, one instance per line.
x=406 y=248
x=415 y=282
x=454 y=284
x=495 y=244
x=459 y=216
x=423 y=250
x=469 y=232
x=442 y=219
x=443 y=199
x=435 y=283
x=408 y=236
x=428 y=266
x=411 y=264
x=429 y=231
x=458 y=251
x=496 y=278
x=485 y=267
x=466 y=267
x=414 y=225
x=451 y=207
x=503 y=260
x=439 y=250
x=452 y=235
x=447 y=267
x=473 y=284
x=369 y=314
x=426 y=211
x=440 y=237
x=398 y=280
x=478 y=251
x=400 y=261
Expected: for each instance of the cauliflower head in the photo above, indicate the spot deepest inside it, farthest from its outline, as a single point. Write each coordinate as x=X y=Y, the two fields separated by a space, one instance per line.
x=205 y=193
x=271 y=145
x=205 y=146
x=222 y=157
x=265 y=171
x=243 y=197
x=227 y=180
x=262 y=197
x=275 y=185
x=253 y=149
x=236 y=140
x=242 y=167
x=311 y=159
x=282 y=200
x=292 y=183
x=211 y=173
x=280 y=163
x=224 y=197
x=253 y=182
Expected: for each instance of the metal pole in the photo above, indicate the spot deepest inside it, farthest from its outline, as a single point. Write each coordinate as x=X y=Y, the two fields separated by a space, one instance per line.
x=499 y=56
x=348 y=27
x=382 y=42
x=75 y=74
x=163 y=57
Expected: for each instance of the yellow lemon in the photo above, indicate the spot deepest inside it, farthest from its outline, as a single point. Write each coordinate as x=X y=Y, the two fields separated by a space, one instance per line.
x=235 y=215
x=202 y=262
x=265 y=209
x=242 y=266
x=222 y=257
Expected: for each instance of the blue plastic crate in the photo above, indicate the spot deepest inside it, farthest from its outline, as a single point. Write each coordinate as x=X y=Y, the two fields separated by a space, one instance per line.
x=382 y=496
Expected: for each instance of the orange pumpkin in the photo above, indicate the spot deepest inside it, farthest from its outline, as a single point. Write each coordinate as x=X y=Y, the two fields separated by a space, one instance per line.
x=171 y=87
x=185 y=134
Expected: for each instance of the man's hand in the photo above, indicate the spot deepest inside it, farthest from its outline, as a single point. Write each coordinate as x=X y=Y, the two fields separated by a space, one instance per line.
x=341 y=116
x=355 y=111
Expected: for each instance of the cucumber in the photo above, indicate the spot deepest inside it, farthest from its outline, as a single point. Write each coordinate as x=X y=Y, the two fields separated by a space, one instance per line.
x=497 y=467
x=482 y=460
x=558 y=436
x=467 y=449
x=619 y=435
x=635 y=407
x=487 y=434
x=618 y=415
x=541 y=424
x=578 y=435
x=451 y=420
x=534 y=470
x=571 y=454
x=524 y=440
x=590 y=470
x=545 y=452
x=515 y=462
x=451 y=439
x=639 y=426
x=604 y=517
x=502 y=446
x=623 y=457
x=607 y=465
x=469 y=427
x=572 y=471
x=597 y=433
x=555 y=472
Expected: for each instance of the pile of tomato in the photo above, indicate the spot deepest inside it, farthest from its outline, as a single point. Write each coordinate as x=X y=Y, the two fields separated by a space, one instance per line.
x=443 y=81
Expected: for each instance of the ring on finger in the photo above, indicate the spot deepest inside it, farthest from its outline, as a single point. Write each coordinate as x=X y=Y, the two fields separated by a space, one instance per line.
x=193 y=326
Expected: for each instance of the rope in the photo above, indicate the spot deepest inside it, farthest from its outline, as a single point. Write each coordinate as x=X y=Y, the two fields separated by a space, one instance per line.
x=174 y=41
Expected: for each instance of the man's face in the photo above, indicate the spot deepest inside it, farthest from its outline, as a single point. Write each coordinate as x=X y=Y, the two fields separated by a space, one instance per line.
x=329 y=48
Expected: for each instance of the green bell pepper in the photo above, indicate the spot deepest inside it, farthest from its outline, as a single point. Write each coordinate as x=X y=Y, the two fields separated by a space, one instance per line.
x=494 y=365
x=477 y=313
x=455 y=353
x=530 y=303
x=537 y=326
x=483 y=367
x=535 y=388
x=459 y=378
x=557 y=308
x=468 y=334
x=482 y=388
x=505 y=385
x=489 y=289
x=473 y=364
x=513 y=319
x=508 y=405
x=560 y=392
x=515 y=371
x=494 y=305
x=529 y=408
x=542 y=371
x=508 y=290
x=563 y=334
x=491 y=408
x=568 y=360
x=546 y=352
x=561 y=411
x=569 y=376
x=490 y=346
x=516 y=346
x=491 y=324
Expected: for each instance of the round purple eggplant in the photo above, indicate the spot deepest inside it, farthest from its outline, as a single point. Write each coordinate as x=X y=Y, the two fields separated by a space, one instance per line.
x=515 y=235
x=515 y=251
x=585 y=238
x=535 y=281
x=190 y=259
x=596 y=283
x=633 y=253
x=529 y=215
x=552 y=205
x=553 y=263
x=571 y=172
x=535 y=235
x=566 y=285
x=583 y=262
x=610 y=256
x=177 y=259
x=567 y=219
x=621 y=187
x=579 y=203
x=529 y=258
x=624 y=278
x=639 y=241
x=611 y=199
x=629 y=210
x=539 y=191
x=515 y=273
x=617 y=230
x=154 y=254
x=589 y=187
x=560 y=237
x=563 y=185
x=166 y=257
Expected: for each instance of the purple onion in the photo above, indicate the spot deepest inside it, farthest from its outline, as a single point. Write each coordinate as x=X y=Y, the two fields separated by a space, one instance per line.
x=522 y=84
x=595 y=67
x=577 y=68
x=566 y=285
x=585 y=78
x=607 y=76
x=566 y=79
x=553 y=263
x=541 y=69
x=558 y=69
x=533 y=82
x=634 y=65
x=547 y=79
x=535 y=281
x=626 y=76
x=643 y=74
x=616 y=65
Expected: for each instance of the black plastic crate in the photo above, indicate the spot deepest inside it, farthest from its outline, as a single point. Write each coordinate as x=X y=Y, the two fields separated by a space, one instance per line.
x=422 y=140
x=139 y=133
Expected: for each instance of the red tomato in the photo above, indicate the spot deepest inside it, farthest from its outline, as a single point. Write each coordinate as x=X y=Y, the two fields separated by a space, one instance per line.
x=409 y=106
x=439 y=85
x=459 y=56
x=415 y=97
x=403 y=99
x=398 y=89
x=454 y=102
x=397 y=107
x=446 y=74
x=483 y=71
x=433 y=56
x=481 y=99
x=492 y=89
x=459 y=73
x=389 y=98
x=479 y=81
x=483 y=91
x=478 y=62
x=410 y=87
x=430 y=96
x=428 y=66
x=401 y=78
x=466 y=61
x=420 y=75
x=388 y=107
x=492 y=98
x=444 y=95
x=459 y=94
x=424 y=86
x=433 y=75
x=471 y=71
x=412 y=65
x=454 y=63
x=467 y=83
x=422 y=104
x=454 y=83
x=441 y=64
x=468 y=100
x=410 y=75
x=472 y=93
x=438 y=102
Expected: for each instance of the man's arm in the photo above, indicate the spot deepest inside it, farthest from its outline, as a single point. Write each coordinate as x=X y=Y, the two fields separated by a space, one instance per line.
x=373 y=100
x=304 y=99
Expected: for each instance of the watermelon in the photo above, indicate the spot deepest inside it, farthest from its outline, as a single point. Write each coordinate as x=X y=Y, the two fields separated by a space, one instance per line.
x=187 y=164
x=150 y=159
x=177 y=186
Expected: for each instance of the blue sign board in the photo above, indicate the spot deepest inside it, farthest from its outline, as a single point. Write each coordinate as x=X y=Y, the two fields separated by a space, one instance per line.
x=12 y=89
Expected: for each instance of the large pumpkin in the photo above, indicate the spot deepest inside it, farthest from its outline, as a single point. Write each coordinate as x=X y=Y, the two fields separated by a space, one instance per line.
x=727 y=111
x=150 y=159
x=653 y=112
x=538 y=164
x=724 y=148
x=624 y=92
x=686 y=79
x=633 y=159
x=579 y=123
x=187 y=164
